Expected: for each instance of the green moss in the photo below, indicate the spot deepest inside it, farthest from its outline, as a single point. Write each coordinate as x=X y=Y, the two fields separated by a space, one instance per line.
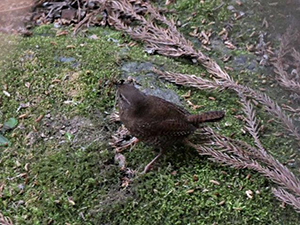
x=211 y=11
x=50 y=178
x=57 y=175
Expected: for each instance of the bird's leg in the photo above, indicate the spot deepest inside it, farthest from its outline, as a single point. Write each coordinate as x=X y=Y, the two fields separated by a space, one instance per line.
x=148 y=167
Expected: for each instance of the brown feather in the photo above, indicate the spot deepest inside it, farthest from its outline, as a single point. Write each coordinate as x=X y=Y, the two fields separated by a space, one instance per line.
x=157 y=121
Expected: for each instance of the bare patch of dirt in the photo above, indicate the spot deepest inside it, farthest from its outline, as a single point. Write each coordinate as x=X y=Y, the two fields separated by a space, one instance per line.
x=79 y=131
x=13 y=13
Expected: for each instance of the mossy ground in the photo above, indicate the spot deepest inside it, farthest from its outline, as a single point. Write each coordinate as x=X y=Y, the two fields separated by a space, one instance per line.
x=61 y=170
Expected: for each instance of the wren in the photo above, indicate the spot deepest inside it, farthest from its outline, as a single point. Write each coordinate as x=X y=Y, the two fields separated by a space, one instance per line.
x=156 y=121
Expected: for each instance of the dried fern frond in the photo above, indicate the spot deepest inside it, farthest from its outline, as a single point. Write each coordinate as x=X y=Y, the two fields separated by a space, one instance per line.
x=287 y=198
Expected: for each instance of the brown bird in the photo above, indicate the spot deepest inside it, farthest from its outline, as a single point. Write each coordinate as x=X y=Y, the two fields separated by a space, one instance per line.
x=156 y=121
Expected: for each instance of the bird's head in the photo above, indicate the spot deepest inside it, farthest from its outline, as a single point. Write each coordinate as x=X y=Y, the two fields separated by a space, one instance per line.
x=129 y=96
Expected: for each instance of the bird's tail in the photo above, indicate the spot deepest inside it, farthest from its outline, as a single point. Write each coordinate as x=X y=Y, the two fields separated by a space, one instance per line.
x=211 y=116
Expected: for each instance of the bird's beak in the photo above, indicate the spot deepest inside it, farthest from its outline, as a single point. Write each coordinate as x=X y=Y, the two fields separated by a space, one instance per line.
x=118 y=82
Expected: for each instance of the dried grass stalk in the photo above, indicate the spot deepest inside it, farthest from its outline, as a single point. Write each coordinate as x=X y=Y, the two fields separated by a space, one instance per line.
x=5 y=220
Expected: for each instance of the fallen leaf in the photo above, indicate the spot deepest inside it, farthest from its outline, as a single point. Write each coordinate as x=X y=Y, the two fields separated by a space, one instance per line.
x=4 y=141
x=195 y=178
x=22 y=116
x=249 y=194
x=94 y=37
x=26 y=166
x=11 y=123
x=221 y=202
x=174 y=173
x=214 y=182
x=70 y=46
x=61 y=33
x=190 y=191
x=27 y=84
x=71 y=201
x=6 y=93
x=39 y=118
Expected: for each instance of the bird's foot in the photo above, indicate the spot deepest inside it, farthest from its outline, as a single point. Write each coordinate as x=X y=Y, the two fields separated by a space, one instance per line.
x=122 y=140
x=114 y=117
x=149 y=165
x=126 y=144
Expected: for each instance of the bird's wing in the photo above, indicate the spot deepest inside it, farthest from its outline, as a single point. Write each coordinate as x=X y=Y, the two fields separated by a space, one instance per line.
x=160 y=109
x=169 y=127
